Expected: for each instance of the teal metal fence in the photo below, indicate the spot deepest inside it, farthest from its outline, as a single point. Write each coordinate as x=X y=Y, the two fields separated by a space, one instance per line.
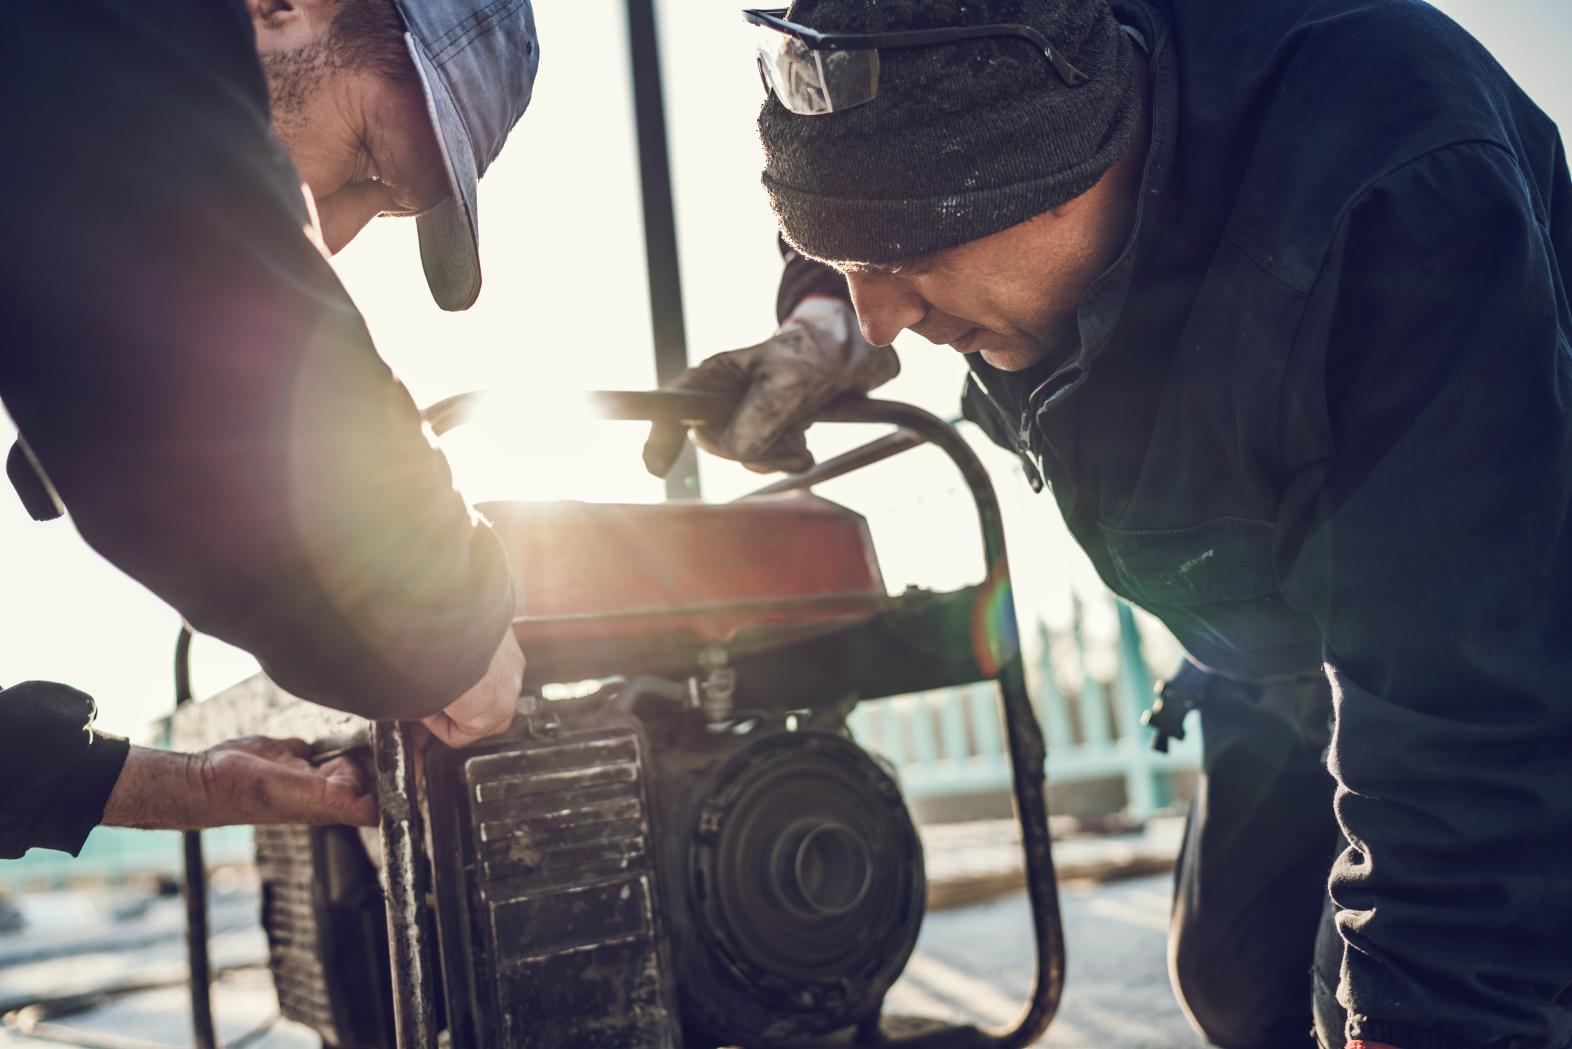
x=951 y=741
x=114 y=854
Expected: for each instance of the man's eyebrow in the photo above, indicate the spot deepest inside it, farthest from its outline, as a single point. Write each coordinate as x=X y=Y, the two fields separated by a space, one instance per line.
x=890 y=269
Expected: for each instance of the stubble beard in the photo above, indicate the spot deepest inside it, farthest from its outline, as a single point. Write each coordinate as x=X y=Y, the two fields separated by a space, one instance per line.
x=293 y=78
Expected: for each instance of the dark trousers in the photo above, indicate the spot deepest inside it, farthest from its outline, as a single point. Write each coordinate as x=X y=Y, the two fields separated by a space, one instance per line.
x=1250 y=896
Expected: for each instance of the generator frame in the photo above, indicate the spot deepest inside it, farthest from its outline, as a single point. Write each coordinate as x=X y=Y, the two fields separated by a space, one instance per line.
x=885 y=665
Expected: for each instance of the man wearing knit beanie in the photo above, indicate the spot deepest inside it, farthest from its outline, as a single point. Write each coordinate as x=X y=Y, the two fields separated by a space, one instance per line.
x=1001 y=136
x=1272 y=296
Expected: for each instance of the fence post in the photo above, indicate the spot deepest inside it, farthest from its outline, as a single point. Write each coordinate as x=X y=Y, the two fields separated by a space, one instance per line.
x=925 y=743
x=952 y=730
x=1053 y=707
x=983 y=705
x=1096 y=734
x=1146 y=790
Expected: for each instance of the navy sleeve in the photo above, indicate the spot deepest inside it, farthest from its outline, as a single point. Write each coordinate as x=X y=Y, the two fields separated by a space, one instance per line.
x=56 y=771
x=195 y=382
x=802 y=277
x=1436 y=553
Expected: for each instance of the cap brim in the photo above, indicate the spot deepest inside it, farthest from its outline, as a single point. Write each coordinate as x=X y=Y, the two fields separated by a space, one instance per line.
x=449 y=239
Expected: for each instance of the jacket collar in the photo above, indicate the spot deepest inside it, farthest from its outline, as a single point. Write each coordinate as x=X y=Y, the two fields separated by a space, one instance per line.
x=1036 y=390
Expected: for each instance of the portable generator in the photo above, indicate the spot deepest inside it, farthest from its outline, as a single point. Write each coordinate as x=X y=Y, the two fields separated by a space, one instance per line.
x=678 y=845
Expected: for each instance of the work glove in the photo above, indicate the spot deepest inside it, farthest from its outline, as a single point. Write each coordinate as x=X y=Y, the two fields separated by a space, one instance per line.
x=817 y=355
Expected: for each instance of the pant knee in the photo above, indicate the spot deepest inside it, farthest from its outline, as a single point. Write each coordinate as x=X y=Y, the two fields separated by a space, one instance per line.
x=1231 y=1007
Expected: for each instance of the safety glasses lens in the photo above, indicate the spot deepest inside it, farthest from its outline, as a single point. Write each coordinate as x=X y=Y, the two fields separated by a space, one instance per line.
x=812 y=83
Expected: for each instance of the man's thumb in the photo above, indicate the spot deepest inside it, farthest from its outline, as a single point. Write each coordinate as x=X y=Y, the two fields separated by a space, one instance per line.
x=663 y=446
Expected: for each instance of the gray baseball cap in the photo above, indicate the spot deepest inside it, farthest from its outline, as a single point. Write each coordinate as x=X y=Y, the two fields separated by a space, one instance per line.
x=477 y=61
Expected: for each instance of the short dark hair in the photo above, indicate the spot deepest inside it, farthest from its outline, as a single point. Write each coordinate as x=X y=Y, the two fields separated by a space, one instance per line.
x=369 y=34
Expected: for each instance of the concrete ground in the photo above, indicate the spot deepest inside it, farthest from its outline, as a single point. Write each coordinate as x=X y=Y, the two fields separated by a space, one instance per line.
x=972 y=962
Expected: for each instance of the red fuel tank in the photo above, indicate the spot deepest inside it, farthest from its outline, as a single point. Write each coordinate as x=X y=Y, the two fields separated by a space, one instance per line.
x=595 y=572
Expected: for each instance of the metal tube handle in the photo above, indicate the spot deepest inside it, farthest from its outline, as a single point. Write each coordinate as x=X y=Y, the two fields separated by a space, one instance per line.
x=669 y=406
x=411 y=938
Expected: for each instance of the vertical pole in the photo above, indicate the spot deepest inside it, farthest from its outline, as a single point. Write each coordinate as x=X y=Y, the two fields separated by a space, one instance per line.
x=409 y=922
x=660 y=223
x=204 y=1034
x=201 y=973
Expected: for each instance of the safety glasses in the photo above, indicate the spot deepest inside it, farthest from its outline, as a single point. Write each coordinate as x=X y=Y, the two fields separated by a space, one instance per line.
x=814 y=73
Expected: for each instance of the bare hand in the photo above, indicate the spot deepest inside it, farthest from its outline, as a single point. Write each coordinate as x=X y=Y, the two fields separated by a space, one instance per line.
x=488 y=707
x=249 y=780
x=817 y=355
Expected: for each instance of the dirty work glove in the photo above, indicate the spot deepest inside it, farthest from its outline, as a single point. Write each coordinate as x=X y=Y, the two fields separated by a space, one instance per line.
x=818 y=354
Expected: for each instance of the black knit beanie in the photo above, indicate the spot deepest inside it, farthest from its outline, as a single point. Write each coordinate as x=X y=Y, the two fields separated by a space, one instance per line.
x=963 y=139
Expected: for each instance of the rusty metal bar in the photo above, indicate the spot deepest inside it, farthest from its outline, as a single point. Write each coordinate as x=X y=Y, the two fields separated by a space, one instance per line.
x=661 y=267
x=203 y=1031
x=874 y=451
x=689 y=409
x=1025 y=739
x=411 y=942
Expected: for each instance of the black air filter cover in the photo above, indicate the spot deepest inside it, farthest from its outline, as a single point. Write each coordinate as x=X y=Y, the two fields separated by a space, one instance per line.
x=805 y=888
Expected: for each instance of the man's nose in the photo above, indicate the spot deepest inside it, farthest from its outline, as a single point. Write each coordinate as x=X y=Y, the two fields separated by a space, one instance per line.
x=885 y=306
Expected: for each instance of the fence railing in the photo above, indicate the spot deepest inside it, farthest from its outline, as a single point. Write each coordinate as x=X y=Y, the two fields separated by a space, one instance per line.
x=951 y=741
x=113 y=854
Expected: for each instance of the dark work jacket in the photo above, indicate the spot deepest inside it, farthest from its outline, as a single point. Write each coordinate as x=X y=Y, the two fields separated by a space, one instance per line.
x=1321 y=416
x=199 y=389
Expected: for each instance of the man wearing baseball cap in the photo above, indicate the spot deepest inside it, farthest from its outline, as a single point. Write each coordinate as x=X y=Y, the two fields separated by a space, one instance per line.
x=194 y=387
x=1273 y=297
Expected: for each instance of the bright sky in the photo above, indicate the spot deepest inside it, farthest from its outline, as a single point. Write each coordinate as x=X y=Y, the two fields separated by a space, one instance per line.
x=564 y=307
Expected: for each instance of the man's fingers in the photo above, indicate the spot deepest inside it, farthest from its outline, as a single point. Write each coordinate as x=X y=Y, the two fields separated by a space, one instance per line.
x=883 y=365
x=450 y=732
x=488 y=707
x=457 y=733
x=294 y=753
x=345 y=799
x=363 y=813
x=278 y=793
x=780 y=400
x=348 y=803
x=298 y=747
x=440 y=726
x=345 y=769
x=663 y=447
x=727 y=374
x=788 y=455
x=767 y=432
